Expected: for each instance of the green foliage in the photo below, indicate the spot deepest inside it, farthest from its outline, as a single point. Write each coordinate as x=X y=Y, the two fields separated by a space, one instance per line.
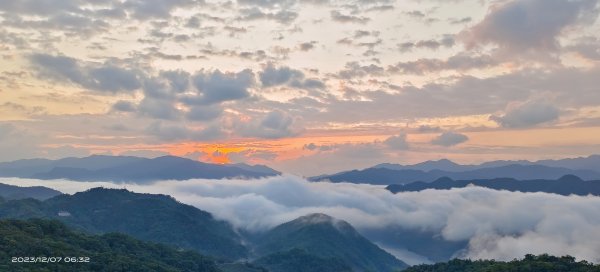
x=108 y=252
x=156 y=218
x=531 y=263
x=298 y=260
x=327 y=237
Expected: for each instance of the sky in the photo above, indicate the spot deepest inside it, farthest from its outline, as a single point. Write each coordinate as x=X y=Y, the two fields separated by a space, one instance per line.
x=305 y=86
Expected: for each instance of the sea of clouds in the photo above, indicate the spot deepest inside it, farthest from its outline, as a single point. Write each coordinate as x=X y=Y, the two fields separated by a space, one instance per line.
x=498 y=225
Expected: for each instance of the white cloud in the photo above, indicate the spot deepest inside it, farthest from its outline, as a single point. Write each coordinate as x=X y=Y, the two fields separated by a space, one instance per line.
x=497 y=224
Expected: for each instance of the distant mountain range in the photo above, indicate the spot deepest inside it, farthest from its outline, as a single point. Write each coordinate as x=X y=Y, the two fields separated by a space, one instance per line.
x=316 y=239
x=10 y=192
x=566 y=185
x=582 y=163
x=386 y=174
x=129 y=169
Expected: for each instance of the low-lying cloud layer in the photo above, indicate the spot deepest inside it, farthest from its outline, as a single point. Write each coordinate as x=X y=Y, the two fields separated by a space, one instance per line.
x=497 y=224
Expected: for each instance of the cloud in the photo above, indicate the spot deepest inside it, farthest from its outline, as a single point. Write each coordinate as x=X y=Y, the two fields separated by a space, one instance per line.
x=97 y=77
x=354 y=69
x=275 y=76
x=156 y=9
x=204 y=113
x=343 y=18
x=460 y=62
x=158 y=109
x=274 y=124
x=124 y=106
x=494 y=224
x=447 y=41
x=216 y=86
x=397 y=142
x=281 y=16
x=268 y=3
x=527 y=114
x=520 y=26
x=169 y=132
x=450 y=139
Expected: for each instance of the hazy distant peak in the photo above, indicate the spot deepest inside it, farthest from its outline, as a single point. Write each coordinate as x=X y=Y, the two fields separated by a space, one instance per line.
x=315 y=218
x=570 y=178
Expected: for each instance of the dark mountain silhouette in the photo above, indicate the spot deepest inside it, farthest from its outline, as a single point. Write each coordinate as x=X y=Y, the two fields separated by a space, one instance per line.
x=582 y=163
x=330 y=239
x=156 y=218
x=108 y=252
x=27 y=168
x=386 y=176
x=566 y=185
x=10 y=192
x=129 y=169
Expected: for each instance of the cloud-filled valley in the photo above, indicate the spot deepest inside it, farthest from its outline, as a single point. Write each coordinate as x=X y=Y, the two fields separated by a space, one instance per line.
x=493 y=224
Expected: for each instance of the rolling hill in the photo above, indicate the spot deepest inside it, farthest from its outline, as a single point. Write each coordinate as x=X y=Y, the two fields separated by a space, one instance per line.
x=11 y=192
x=107 y=252
x=156 y=218
x=327 y=238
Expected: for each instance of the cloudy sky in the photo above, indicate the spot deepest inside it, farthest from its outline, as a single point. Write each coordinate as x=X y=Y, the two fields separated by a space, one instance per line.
x=305 y=86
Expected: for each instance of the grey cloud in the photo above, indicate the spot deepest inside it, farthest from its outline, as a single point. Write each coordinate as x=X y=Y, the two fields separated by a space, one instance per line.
x=447 y=41
x=170 y=132
x=461 y=62
x=428 y=129
x=274 y=76
x=450 y=139
x=343 y=18
x=124 y=106
x=315 y=147
x=458 y=21
x=152 y=9
x=525 y=25
x=268 y=3
x=216 y=86
x=272 y=125
x=103 y=78
x=307 y=46
x=528 y=114
x=158 y=108
x=587 y=47
x=204 y=113
x=397 y=142
x=281 y=16
x=354 y=69
x=178 y=79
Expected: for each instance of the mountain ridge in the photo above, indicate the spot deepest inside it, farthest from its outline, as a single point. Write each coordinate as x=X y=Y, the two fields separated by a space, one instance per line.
x=129 y=169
